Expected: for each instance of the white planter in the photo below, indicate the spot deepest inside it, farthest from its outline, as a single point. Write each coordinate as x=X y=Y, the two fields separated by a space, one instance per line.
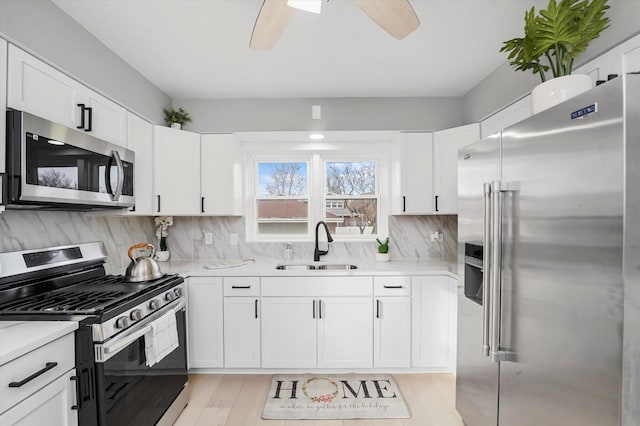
x=163 y=256
x=557 y=90
x=176 y=126
x=383 y=257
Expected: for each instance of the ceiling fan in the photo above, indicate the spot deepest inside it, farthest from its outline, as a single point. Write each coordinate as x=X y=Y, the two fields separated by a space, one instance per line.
x=396 y=17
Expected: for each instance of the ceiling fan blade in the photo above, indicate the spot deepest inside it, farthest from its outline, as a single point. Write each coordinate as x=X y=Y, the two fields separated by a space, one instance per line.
x=396 y=17
x=272 y=20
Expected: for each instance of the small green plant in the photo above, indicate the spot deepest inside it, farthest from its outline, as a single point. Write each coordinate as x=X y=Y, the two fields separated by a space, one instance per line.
x=383 y=247
x=172 y=116
x=558 y=36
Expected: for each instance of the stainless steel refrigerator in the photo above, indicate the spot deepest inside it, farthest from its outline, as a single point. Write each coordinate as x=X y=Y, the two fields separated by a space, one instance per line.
x=548 y=215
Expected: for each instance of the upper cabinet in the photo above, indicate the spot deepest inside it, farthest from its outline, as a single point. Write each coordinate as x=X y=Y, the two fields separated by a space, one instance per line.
x=140 y=140
x=221 y=175
x=40 y=89
x=412 y=187
x=631 y=55
x=446 y=144
x=512 y=114
x=176 y=171
x=605 y=65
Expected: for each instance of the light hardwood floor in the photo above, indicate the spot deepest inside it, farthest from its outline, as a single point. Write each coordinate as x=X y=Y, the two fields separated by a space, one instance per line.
x=237 y=400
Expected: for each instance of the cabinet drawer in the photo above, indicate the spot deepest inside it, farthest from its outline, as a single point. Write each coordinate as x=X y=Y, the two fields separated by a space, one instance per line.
x=242 y=286
x=392 y=286
x=60 y=351
x=317 y=286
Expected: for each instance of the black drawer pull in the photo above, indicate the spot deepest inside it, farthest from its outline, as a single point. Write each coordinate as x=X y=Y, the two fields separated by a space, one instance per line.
x=393 y=286
x=48 y=366
x=240 y=286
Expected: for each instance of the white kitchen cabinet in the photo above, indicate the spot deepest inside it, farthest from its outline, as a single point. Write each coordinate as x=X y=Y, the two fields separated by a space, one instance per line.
x=433 y=302
x=221 y=166
x=392 y=322
x=412 y=182
x=38 y=88
x=241 y=332
x=289 y=332
x=140 y=140
x=600 y=68
x=3 y=106
x=344 y=332
x=205 y=322
x=510 y=115
x=51 y=405
x=176 y=171
x=631 y=55
x=446 y=144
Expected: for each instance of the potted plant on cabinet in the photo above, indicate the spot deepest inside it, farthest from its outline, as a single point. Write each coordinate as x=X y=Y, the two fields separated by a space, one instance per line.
x=551 y=43
x=175 y=119
x=383 y=250
x=162 y=232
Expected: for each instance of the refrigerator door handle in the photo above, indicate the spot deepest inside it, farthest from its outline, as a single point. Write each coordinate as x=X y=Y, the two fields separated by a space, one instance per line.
x=486 y=268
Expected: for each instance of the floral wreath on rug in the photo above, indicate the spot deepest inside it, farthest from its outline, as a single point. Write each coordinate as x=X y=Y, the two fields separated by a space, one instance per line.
x=320 y=398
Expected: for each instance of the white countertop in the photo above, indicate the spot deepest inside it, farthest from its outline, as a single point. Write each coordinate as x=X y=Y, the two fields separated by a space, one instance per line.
x=197 y=268
x=19 y=337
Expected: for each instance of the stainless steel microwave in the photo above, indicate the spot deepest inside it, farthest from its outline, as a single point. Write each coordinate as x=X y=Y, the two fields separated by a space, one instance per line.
x=53 y=166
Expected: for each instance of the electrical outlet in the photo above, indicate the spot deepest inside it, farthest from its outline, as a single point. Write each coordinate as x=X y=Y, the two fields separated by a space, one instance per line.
x=208 y=238
x=233 y=239
x=436 y=236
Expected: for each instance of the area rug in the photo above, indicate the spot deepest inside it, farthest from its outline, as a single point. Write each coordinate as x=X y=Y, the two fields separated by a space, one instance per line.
x=345 y=396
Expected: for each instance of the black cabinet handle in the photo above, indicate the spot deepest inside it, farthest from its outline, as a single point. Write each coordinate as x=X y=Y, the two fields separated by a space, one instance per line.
x=82 y=108
x=158 y=204
x=256 y=308
x=314 y=309
x=201 y=204
x=240 y=286
x=404 y=204
x=437 y=202
x=393 y=286
x=377 y=308
x=319 y=308
x=48 y=366
x=90 y=111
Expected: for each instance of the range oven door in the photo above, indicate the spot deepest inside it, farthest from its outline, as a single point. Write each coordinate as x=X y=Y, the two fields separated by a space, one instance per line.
x=49 y=164
x=130 y=392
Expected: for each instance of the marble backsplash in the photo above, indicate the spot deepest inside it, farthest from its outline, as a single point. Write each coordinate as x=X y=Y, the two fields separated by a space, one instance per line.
x=19 y=230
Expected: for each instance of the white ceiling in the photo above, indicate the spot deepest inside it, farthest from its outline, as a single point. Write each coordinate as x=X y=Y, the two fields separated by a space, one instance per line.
x=199 y=49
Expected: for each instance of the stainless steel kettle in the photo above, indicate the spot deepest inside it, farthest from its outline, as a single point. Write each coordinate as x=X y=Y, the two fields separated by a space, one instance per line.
x=143 y=268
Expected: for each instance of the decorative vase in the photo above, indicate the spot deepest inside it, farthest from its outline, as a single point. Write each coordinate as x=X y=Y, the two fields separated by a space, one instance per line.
x=163 y=255
x=383 y=257
x=557 y=90
x=176 y=126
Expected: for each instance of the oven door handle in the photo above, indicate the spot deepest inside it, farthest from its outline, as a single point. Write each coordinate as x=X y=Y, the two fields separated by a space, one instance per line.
x=105 y=351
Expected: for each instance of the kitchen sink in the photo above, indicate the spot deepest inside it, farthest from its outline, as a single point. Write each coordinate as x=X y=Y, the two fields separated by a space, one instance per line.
x=316 y=267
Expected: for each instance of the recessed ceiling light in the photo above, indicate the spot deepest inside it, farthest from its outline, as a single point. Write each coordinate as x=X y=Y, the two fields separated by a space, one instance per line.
x=316 y=136
x=55 y=142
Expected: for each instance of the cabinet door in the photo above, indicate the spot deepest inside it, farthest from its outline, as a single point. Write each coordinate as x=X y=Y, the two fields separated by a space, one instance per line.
x=51 y=405
x=176 y=171
x=431 y=321
x=289 y=332
x=344 y=332
x=140 y=140
x=3 y=104
x=39 y=89
x=108 y=120
x=204 y=315
x=392 y=332
x=221 y=175
x=241 y=332
x=631 y=55
x=413 y=174
x=445 y=147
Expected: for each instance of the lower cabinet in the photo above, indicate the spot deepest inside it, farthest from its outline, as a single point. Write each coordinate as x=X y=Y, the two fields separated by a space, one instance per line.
x=241 y=332
x=392 y=332
x=204 y=322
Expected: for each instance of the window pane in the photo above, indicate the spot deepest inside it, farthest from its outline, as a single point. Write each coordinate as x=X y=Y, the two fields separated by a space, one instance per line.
x=283 y=216
x=356 y=217
x=353 y=178
x=282 y=179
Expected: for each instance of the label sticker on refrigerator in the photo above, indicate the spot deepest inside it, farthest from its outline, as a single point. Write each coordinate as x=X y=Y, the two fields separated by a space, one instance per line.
x=583 y=112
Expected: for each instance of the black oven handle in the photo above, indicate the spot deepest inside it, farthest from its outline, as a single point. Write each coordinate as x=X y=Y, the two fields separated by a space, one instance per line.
x=115 y=195
x=105 y=351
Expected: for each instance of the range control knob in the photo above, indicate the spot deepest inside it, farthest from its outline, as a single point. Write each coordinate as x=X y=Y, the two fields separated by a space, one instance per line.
x=170 y=296
x=154 y=304
x=122 y=322
x=178 y=291
x=136 y=315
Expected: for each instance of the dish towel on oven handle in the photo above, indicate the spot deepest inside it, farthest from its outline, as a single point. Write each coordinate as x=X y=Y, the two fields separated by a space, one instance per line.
x=162 y=339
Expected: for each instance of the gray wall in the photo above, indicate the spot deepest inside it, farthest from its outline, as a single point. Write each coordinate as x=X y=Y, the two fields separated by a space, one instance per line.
x=227 y=115
x=505 y=85
x=45 y=30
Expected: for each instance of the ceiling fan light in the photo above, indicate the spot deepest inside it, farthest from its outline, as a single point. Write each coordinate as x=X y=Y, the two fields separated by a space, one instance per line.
x=312 y=6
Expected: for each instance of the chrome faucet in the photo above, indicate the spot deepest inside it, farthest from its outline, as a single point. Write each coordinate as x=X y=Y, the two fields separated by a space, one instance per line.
x=317 y=252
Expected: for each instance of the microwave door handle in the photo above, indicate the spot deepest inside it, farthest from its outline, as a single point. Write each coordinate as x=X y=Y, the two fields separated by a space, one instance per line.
x=120 y=184
x=486 y=268
x=107 y=178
